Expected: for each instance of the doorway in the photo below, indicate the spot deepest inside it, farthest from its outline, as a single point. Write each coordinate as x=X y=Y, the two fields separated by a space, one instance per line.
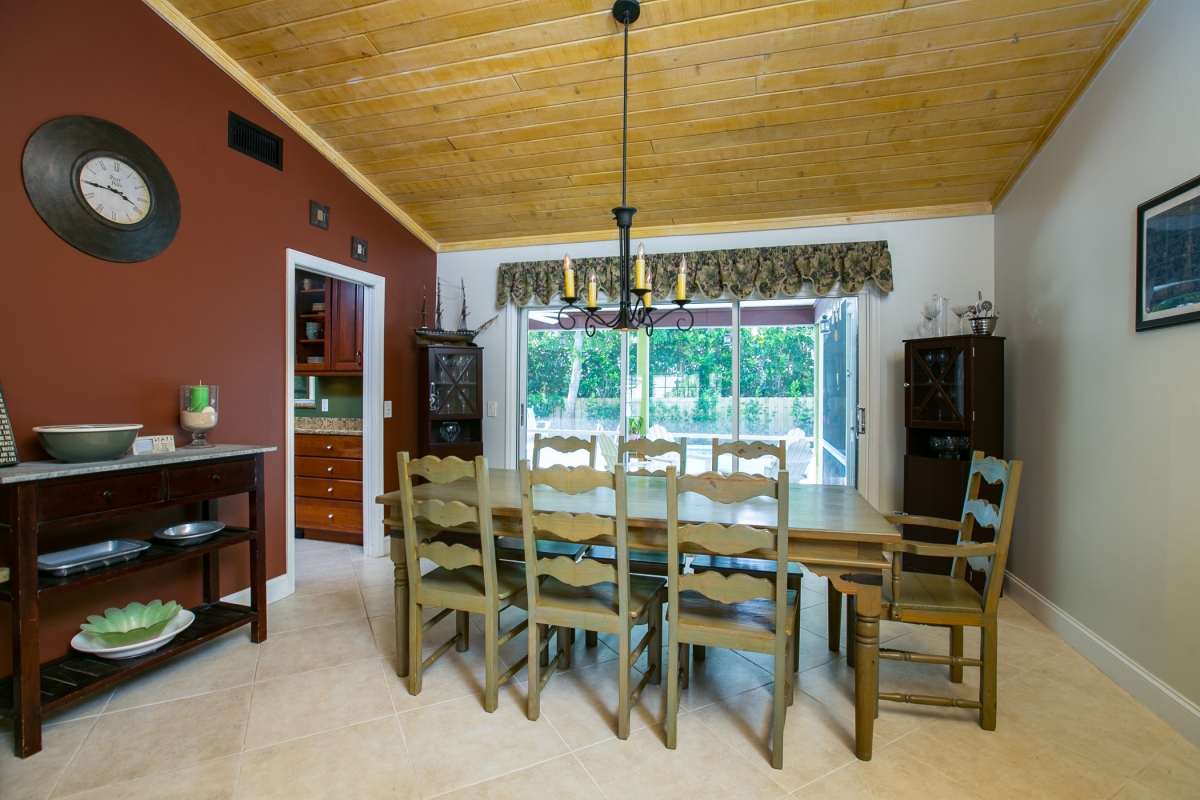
x=370 y=353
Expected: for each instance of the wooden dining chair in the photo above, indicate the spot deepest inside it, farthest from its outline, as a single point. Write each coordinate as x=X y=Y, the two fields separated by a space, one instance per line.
x=642 y=450
x=738 y=611
x=467 y=580
x=564 y=444
x=567 y=593
x=739 y=449
x=949 y=601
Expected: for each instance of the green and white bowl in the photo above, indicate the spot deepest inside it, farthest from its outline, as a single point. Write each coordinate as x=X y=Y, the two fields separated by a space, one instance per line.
x=80 y=443
x=91 y=643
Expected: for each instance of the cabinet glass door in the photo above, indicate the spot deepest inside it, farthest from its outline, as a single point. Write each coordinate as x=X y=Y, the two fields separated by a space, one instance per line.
x=938 y=384
x=454 y=389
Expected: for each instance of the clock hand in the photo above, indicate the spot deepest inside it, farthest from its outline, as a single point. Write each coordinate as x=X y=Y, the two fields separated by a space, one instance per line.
x=114 y=191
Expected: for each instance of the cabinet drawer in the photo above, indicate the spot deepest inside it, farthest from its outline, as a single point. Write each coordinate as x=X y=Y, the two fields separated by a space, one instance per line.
x=340 y=468
x=234 y=476
x=96 y=496
x=329 y=489
x=330 y=515
x=311 y=444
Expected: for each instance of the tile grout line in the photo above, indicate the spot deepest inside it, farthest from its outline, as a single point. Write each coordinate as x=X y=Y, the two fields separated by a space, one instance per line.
x=71 y=760
x=743 y=756
x=315 y=733
x=592 y=777
x=498 y=776
x=143 y=777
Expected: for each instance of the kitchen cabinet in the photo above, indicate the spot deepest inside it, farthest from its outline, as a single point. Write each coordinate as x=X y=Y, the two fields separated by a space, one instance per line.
x=329 y=487
x=336 y=308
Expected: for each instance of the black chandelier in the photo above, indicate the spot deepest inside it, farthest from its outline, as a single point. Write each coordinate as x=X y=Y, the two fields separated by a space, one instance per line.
x=639 y=312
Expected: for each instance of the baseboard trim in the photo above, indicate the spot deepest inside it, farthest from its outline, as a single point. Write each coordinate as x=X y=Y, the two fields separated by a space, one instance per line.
x=1176 y=710
x=277 y=589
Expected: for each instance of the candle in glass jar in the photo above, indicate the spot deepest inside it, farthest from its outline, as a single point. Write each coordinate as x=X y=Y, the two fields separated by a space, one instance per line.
x=592 y=289
x=681 y=281
x=568 y=277
x=640 y=268
x=199 y=397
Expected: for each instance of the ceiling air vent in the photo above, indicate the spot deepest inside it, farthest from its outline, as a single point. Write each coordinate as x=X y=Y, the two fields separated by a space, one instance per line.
x=259 y=144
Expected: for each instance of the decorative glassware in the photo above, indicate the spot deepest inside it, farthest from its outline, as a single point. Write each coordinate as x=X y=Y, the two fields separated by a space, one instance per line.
x=450 y=431
x=198 y=412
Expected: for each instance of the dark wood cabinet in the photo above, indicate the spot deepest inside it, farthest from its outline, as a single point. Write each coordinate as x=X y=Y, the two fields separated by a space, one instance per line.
x=329 y=487
x=450 y=401
x=953 y=387
x=335 y=308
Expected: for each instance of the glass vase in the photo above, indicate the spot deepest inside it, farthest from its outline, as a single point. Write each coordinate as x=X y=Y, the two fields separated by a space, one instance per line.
x=198 y=406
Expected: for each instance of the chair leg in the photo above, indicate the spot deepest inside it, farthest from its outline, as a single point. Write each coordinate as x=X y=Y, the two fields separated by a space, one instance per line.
x=834 y=629
x=654 y=657
x=794 y=583
x=625 y=648
x=564 y=647
x=533 y=702
x=685 y=657
x=462 y=624
x=779 y=713
x=491 y=655
x=699 y=652
x=590 y=638
x=415 y=665
x=850 y=635
x=956 y=649
x=987 y=676
x=674 y=651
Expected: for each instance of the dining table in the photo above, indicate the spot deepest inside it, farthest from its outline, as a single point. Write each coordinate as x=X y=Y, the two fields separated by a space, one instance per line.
x=832 y=531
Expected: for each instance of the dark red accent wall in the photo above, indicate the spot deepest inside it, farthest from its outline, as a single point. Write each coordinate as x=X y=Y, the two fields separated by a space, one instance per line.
x=85 y=340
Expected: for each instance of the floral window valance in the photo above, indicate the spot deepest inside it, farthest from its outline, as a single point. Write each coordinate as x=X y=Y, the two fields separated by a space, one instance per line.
x=711 y=273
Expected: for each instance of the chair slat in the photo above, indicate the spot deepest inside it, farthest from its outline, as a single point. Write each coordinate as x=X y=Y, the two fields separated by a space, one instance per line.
x=444 y=470
x=741 y=449
x=734 y=489
x=573 y=481
x=648 y=447
x=455 y=556
x=445 y=515
x=984 y=512
x=734 y=540
x=737 y=588
x=991 y=469
x=565 y=444
x=574 y=527
x=577 y=573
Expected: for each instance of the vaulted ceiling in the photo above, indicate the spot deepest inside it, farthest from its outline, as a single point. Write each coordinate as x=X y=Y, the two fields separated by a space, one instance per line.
x=483 y=123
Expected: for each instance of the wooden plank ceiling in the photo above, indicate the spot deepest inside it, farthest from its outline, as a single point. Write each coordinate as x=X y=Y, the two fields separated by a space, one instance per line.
x=483 y=123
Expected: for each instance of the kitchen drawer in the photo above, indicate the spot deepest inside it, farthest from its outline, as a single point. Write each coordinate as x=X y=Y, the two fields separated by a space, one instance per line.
x=314 y=444
x=330 y=515
x=331 y=490
x=231 y=476
x=340 y=468
x=97 y=495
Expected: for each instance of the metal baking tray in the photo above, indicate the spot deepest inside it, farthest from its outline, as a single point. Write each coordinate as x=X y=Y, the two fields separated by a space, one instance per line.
x=189 y=532
x=91 y=556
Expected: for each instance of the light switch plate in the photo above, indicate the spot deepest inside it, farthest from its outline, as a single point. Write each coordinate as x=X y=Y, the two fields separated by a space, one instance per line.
x=491 y=408
x=387 y=409
x=325 y=404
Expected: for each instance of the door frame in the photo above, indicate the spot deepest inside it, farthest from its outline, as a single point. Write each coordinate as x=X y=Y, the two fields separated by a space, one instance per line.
x=373 y=328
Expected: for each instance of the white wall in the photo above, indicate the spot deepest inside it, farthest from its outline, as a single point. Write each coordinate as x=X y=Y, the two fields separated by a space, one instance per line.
x=950 y=257
x=1108 y=420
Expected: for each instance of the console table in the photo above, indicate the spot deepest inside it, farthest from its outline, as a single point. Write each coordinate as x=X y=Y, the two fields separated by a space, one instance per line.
x=42 y=497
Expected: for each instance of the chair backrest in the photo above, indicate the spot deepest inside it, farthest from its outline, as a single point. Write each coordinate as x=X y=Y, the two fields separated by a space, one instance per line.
x=712 y=538
x=739 y=449
x=563 y=444
x=799 y=456
x=577 y=528
x=608 y=450
x=647 y=448
x=998 y=518
x=460 y=510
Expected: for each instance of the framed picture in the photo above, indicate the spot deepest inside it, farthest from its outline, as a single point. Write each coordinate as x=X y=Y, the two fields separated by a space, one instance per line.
x=1168 y=258
x=8 y=445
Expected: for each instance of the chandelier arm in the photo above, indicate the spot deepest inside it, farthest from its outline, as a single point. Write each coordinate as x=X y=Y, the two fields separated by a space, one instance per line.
x=570 y=318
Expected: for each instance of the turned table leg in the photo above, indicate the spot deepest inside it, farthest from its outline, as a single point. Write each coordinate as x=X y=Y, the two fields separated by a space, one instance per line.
x=866 y=668
x=400 y=561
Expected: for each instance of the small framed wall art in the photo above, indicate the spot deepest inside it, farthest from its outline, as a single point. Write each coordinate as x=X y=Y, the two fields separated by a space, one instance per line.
x=1168 y=258
x=358 y=248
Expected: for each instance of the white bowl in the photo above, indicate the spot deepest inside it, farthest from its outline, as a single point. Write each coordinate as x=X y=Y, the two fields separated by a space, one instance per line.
x=86 y=643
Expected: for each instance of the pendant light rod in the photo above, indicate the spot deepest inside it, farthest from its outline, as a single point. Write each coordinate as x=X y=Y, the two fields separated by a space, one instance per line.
x=625 y=110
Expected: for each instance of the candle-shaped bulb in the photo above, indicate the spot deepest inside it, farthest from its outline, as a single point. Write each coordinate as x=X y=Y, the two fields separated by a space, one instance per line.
x=648 y=298
x=568 y=277
x=639 y=279
x=592 y=289
x=681 y=281
x=641 y=251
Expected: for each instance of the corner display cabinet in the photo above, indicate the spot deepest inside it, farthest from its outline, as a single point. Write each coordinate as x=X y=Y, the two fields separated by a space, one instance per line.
x=450 y=392
x=953 y=387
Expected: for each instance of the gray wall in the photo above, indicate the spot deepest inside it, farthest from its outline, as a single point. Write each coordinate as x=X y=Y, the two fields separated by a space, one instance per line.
x=1108 y=420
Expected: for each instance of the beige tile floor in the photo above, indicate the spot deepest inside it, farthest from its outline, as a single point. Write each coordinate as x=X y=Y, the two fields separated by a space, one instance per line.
x=317 y=711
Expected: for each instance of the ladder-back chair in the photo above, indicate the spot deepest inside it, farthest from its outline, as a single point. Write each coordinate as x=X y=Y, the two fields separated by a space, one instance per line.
x=564 y=444
x=736 y=612
x=642 y=450
x=467 y=579
x=949 y=600
x=739 y=449
x=567 y=593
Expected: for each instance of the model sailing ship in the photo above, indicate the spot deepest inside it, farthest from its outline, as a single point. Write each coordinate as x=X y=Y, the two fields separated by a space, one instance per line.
x=463 y=335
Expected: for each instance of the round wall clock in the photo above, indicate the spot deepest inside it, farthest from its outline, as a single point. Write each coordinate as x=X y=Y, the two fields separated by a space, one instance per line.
x=101 y=189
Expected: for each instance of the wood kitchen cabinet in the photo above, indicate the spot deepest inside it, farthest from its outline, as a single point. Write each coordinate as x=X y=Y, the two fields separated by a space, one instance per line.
x=336 y=308
x=329 y=487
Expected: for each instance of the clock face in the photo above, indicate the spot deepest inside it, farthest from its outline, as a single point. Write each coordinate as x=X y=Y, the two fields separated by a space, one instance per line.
x=114 y=190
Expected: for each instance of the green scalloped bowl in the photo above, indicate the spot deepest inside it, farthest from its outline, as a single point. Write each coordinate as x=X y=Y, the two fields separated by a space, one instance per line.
x=133 y=624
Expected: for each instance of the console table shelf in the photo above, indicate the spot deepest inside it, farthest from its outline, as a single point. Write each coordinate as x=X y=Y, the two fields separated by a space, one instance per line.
x=39 y=498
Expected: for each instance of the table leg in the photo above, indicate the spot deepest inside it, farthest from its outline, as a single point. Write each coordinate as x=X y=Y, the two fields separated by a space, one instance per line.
x=833 y=626
x=22 y=556
x=258 y=552
x=866 y=671
x=211 y=584
x=400 y=591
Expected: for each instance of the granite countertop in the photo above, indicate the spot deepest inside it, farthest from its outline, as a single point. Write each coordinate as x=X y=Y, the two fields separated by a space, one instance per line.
x=43 y=470
x=329 y=426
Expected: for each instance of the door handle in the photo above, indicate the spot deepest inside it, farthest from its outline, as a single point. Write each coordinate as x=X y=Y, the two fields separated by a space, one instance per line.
x=109 y=494
x=328 y=447
x=330 y=490
x=331 y=516
x=358 y=357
